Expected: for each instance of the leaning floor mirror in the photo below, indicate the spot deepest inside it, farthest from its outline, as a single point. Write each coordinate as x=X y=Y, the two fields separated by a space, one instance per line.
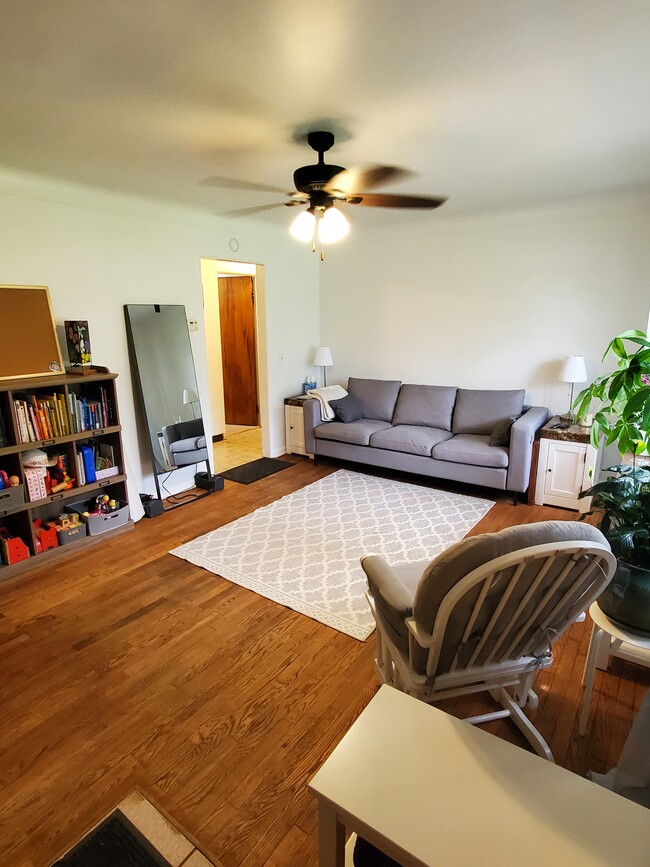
x=161 y=355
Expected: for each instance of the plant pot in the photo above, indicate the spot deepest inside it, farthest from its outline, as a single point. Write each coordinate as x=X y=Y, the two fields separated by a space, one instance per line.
x=626 y=600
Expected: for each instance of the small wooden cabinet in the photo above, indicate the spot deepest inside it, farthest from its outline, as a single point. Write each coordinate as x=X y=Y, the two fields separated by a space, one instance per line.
x=294 y=425
x=567 y=464
x=73 y=411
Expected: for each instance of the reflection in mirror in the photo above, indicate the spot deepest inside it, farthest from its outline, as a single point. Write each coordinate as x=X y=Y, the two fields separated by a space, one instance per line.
x=160 y=347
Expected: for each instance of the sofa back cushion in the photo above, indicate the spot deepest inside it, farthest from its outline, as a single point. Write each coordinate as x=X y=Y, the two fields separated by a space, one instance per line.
x=376 y=397
x=478 y=411
x=427 y=405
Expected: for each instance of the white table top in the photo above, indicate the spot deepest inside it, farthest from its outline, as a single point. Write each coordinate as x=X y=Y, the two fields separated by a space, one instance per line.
x=450 y=794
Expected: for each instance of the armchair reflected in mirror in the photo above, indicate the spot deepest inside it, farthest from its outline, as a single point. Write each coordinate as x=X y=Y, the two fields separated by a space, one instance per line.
x=161 y=356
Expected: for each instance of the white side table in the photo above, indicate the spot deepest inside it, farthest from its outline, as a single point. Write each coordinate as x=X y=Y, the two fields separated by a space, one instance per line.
x=608 y=639
x=428 y=789
x=567 y=464
x=294 y=425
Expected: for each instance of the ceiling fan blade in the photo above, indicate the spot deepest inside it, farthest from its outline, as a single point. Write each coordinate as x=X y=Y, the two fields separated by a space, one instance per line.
x=352 y=181
x=383 y=200
x=234 y=184
x=257 y=209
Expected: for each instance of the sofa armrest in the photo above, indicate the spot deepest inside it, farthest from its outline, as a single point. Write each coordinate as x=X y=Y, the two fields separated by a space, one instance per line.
x=312 y=419
x=522 y=436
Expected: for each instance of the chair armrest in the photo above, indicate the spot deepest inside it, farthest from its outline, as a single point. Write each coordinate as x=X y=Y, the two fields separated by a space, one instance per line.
x=312 y=419
x=522 y=436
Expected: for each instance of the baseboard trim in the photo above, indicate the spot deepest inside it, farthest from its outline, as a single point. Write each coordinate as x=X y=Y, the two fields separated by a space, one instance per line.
x=217 y=438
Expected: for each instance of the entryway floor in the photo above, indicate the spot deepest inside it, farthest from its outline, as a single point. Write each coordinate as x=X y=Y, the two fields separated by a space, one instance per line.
x=232 y=429
x=237 y=449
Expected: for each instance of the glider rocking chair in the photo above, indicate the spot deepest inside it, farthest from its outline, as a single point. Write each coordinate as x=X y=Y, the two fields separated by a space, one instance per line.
x=482 y=616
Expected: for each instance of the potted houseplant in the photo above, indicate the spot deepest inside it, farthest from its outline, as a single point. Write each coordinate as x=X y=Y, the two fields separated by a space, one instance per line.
x=623 y=418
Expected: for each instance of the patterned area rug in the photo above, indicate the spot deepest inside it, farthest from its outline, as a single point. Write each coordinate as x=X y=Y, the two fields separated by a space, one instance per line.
x=303 y=550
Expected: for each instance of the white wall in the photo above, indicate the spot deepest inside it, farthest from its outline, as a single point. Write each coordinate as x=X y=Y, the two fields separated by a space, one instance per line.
x=98 y=251
x=488 y=302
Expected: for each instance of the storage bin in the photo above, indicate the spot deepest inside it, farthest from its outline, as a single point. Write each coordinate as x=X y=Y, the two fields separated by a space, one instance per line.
x=71 y=534
x=107 y=473
x=11 y=498
x=98 y=524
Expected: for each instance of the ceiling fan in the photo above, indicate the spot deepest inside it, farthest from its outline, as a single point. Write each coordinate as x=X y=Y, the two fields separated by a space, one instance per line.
x=323 y=187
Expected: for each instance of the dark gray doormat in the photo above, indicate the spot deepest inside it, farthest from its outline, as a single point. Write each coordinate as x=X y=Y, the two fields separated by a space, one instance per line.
x=255 y=470
x=115 y=841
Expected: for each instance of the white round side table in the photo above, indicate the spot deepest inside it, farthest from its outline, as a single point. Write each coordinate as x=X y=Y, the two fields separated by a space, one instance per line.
x=606 y=640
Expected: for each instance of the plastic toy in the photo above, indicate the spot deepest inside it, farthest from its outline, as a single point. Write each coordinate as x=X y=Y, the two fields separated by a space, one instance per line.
x=45 y=535
x=59 y=475
x=103 y=505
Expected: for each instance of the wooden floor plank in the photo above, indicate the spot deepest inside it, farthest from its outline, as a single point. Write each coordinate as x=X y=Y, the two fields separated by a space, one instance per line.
x=126 y=666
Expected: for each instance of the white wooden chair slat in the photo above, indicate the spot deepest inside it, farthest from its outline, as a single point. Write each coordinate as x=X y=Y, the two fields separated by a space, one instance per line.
x=497 y=612
x=472 y=618
x=533 y=617
x=523 y=602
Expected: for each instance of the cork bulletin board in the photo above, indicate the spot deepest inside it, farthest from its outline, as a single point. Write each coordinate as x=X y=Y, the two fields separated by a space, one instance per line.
x=28 y=342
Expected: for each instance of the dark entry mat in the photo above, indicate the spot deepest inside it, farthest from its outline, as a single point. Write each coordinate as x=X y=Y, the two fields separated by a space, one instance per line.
x=255 y=470
x=114 y=842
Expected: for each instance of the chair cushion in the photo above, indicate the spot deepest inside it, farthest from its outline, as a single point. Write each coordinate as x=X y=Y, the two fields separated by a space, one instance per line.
x=346 y=409
x=188 y=445
x=413 y=439
x=462 y=558
x=377 y=397
x=356 y=432
x=430 y=405
x=471 y=449
x=478 y=411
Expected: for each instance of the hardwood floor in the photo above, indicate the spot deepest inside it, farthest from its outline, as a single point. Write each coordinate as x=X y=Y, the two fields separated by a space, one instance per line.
x=125 y=667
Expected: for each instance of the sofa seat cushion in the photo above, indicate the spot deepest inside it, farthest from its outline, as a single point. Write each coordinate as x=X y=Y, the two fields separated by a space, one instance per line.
x=414 y=439
x=376 y=397
x=188 y=445
x=471 y=449
x=478 y=411
x=429 y=405
x=356 y=432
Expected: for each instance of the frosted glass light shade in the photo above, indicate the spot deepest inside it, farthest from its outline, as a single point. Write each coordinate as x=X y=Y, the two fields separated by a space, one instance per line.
x=332 y=226
x=302 y=227
x=573 y=369
x=323 y=357
x=189 y=396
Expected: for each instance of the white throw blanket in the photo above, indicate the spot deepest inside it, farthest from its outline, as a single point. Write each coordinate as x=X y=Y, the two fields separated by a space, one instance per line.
x=324 y=395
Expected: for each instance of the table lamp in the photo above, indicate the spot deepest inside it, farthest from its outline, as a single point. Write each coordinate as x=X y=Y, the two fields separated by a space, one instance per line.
x=190 y=397
x=323 y=358
x=573 y=370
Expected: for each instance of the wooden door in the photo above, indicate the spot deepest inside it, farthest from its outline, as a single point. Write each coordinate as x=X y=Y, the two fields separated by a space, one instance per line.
x=237 y=314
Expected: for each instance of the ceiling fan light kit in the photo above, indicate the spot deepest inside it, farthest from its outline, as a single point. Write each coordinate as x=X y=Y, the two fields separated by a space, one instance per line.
x=323 y=187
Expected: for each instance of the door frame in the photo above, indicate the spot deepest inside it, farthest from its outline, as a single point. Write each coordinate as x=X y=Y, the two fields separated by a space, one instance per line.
x=211 y=268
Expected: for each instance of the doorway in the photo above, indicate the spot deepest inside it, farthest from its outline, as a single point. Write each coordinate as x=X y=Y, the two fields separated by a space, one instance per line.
x=233 y=301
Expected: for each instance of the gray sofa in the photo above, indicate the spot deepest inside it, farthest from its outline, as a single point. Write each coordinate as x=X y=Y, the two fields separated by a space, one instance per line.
x=438 y=431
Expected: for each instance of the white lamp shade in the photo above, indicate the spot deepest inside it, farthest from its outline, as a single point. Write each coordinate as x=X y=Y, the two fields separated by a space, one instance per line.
x=323 y=357
x=189 y=396
x=573 y=369
x=302 y=227
x=332 y=226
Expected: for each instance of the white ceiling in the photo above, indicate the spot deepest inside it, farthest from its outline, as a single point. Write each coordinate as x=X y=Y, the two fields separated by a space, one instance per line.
x=495 y=103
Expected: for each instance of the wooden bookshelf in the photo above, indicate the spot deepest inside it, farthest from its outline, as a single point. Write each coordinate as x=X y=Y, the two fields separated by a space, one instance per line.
x=72 y=391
